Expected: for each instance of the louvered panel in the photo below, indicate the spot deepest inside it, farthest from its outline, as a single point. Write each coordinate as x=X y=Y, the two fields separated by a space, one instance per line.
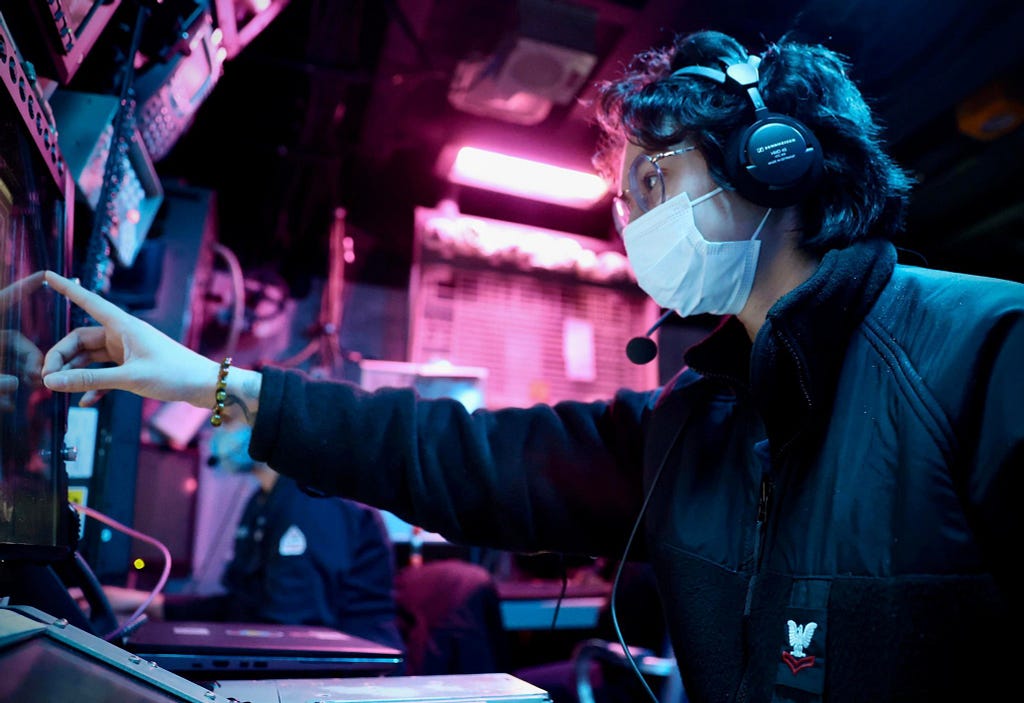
x=513 y=324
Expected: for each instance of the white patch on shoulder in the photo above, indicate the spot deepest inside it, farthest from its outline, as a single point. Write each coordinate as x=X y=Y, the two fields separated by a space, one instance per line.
x=293 y=542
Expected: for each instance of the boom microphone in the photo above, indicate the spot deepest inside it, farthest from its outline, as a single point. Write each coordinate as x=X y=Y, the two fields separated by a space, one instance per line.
x=642 y=350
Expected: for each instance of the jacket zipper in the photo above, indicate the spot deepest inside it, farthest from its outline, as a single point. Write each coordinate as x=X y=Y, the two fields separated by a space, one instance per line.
x=763 y=505
x=768 y=485
x=766 y=490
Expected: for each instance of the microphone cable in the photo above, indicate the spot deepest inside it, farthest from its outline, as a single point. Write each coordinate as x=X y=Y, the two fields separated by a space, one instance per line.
x=625 y=554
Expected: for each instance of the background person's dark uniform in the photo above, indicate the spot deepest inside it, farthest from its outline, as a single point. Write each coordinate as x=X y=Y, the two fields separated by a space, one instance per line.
x=305 y=559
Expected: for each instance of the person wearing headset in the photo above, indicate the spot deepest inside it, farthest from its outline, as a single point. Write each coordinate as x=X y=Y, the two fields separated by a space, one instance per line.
x=297 y=559
x=825 y=491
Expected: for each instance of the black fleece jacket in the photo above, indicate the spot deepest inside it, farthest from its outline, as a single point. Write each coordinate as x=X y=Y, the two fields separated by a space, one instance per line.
x=828 y=510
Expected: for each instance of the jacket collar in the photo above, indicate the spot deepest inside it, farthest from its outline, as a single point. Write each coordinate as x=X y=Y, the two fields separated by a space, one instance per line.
x=793 y=366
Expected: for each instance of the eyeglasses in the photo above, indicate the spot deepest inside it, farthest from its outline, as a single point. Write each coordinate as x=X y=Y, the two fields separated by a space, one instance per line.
x=646 y=186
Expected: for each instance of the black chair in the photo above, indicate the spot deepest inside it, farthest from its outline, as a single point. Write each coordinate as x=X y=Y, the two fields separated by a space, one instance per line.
x=658 y=670
x=449 y=614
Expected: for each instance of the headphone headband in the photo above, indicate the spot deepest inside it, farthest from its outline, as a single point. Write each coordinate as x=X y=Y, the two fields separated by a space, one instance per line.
x=742 y=76
x=773 y=161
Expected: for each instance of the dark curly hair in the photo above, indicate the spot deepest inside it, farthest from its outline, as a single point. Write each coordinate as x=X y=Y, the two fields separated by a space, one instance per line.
x=862 y=192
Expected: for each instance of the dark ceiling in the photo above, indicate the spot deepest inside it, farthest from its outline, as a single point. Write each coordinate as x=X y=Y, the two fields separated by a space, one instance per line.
x=345 y=103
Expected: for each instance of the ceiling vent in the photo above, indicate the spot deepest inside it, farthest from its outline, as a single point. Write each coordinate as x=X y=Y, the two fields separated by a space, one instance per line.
x=545 y=63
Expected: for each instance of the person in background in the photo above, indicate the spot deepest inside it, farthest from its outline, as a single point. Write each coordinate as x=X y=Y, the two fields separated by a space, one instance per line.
x=298 y=559
x=826 y=491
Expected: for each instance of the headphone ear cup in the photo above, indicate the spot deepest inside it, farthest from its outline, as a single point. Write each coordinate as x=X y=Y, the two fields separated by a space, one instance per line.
x=773 y=162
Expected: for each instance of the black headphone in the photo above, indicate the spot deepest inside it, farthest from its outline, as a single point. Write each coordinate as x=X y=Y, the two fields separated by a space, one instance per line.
x=773 y=161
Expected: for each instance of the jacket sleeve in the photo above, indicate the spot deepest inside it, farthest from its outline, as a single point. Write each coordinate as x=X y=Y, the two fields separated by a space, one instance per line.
x=565 y=477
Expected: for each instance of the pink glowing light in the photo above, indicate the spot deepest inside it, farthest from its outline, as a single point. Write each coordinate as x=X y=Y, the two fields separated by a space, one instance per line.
x=528 y=179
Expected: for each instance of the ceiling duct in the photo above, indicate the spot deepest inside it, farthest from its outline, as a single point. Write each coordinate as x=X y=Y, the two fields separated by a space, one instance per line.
x=543 y=63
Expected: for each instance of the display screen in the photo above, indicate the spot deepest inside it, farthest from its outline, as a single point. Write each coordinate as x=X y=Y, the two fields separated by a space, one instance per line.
x=39 y=669
x=34 y=218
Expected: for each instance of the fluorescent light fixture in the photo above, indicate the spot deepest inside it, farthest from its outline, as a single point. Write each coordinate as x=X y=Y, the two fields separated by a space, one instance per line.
x=492 y=170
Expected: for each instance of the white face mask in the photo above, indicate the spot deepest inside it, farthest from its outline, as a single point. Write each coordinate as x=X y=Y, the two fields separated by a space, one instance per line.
x=684 y=272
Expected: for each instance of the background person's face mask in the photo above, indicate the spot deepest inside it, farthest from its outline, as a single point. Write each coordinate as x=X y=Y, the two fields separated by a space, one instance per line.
x=683 y=271
x=229 y=450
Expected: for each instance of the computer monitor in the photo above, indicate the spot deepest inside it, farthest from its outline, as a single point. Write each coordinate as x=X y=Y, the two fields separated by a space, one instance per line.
x=439 y=379
x=36 y=205
x=44 y=659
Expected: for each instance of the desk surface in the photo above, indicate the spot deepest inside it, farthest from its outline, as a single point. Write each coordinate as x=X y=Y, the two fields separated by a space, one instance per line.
x=532 y=605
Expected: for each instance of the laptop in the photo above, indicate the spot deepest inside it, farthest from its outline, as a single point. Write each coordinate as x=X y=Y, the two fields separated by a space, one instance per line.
x=224 y=649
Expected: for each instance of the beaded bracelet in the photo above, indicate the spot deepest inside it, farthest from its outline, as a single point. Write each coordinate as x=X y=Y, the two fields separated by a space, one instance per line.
x=221 y=394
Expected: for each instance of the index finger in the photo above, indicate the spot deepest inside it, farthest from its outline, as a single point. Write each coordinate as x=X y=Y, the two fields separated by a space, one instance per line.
x=99 y=308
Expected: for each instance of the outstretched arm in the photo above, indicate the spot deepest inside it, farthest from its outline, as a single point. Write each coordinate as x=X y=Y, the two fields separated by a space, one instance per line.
x=137 y=357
